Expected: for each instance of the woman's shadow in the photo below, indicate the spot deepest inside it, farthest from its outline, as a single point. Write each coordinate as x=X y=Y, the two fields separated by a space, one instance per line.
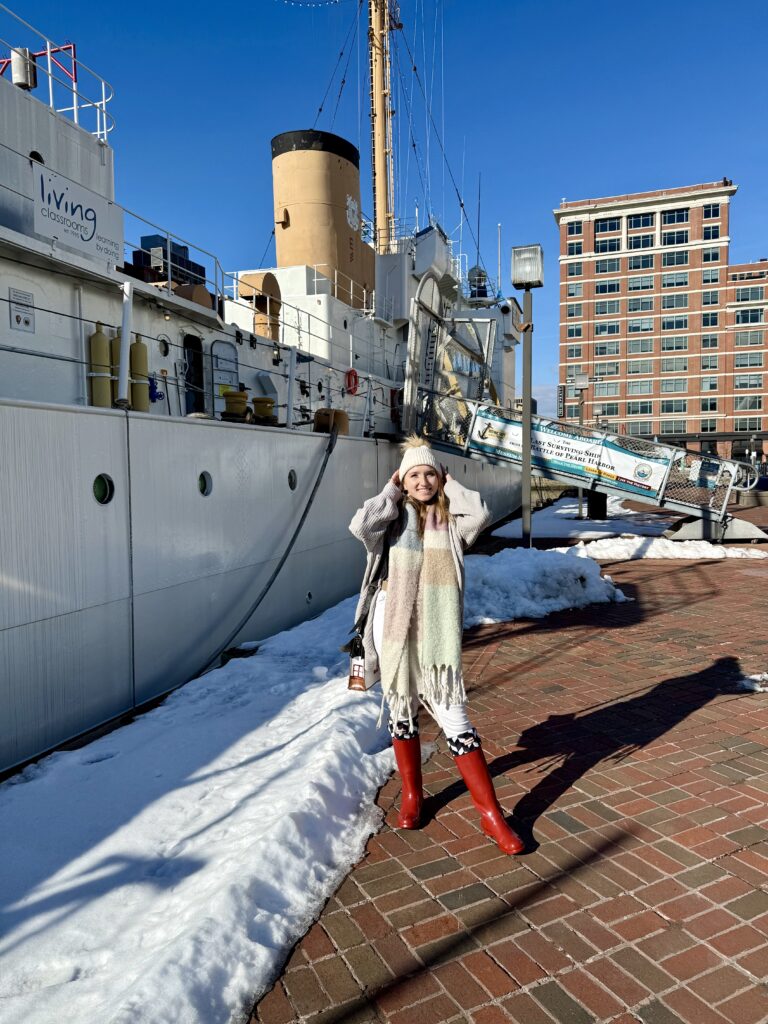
x=577 y=743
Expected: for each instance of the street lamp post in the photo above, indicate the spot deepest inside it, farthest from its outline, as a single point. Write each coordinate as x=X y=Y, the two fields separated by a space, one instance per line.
x=527 y=273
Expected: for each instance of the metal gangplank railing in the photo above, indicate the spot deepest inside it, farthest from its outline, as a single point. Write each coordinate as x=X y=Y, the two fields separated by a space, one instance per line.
x=660 y=474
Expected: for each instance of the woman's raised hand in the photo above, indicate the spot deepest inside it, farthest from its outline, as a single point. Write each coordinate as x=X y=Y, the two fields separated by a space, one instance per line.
x=446 y=475
x=395 y=479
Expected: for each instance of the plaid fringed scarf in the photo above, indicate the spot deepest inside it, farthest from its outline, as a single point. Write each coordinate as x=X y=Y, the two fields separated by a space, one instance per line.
x=421 y=649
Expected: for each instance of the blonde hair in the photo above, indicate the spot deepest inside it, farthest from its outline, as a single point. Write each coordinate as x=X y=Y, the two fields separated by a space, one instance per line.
x=440 y=500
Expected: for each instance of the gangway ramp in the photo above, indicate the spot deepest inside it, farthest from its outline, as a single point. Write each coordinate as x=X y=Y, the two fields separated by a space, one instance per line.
x=695 y=483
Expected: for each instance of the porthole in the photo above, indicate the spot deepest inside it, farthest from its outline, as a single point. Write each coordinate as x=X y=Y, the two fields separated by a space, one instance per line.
x=292 y=479
x=309 y=597
x=164 y=346
x=205 y=483
x=320 y=387
x=345 y=325
x=103 y=489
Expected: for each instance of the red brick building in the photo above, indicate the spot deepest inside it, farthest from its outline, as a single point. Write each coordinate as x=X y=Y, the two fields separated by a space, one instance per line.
x=672 y=337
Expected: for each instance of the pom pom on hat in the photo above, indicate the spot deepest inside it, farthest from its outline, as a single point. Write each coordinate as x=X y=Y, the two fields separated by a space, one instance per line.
x=417 y=453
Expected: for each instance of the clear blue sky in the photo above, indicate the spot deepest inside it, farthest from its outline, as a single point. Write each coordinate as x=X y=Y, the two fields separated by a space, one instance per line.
x=546 y=98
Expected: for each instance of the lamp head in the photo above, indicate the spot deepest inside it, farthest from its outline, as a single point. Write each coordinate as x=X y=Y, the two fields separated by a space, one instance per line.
x=527 y=266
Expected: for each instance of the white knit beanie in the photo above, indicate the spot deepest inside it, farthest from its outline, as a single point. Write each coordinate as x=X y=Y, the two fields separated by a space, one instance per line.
x=421 y=456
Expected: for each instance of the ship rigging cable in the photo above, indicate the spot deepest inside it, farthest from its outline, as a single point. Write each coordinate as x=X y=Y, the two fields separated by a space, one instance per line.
x=352 y=28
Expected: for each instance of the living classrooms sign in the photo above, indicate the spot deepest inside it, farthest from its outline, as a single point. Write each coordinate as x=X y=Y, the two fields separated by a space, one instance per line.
x=592 y=459
x=76 y=217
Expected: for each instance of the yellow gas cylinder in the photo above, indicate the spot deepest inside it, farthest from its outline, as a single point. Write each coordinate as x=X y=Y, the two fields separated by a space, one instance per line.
x=114 y=347
x=139 y=376
x=98 y=348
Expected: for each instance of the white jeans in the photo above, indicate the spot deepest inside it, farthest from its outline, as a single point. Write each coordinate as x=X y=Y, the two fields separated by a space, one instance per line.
x=453 y=719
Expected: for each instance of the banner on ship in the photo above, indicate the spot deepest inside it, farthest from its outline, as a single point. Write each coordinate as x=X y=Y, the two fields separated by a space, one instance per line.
x=76 y=217
x=591 y=459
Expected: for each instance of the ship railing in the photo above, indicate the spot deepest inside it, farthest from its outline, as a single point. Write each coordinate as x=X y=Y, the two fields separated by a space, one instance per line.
x=73 y=89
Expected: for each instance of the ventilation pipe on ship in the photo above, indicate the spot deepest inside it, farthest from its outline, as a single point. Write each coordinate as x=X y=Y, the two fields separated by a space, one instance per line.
x=318 y=223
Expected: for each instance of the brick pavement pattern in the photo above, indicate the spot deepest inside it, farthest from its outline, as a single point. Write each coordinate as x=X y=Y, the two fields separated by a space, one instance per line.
x=640 y=776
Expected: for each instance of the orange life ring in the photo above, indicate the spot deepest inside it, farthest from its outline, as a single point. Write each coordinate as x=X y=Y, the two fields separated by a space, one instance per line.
x=351 y=382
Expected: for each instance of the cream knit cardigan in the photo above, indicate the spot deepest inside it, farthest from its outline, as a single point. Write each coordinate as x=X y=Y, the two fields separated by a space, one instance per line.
x=469 y=517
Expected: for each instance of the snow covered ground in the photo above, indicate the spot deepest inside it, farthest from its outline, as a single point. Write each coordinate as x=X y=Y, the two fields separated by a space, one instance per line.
x=561 y=520
x=161 y=874
x=623 y=549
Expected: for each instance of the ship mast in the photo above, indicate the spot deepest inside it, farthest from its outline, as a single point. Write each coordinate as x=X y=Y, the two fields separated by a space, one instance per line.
x=381 y=124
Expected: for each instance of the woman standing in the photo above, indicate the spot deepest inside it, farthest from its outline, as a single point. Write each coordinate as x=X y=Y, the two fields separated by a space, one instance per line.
x=415 y=533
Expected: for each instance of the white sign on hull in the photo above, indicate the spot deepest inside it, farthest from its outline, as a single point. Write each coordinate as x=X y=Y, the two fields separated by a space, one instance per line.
x=76 y=217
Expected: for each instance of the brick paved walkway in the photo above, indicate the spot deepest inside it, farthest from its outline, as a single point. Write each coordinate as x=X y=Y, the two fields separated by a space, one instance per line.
x=642 y=778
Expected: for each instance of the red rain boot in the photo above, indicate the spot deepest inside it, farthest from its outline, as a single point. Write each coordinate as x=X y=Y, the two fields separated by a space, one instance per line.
x=408 y=757
x=474 y=771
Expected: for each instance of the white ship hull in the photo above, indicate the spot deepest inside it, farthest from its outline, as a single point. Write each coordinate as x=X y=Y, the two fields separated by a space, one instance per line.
x=107 y=607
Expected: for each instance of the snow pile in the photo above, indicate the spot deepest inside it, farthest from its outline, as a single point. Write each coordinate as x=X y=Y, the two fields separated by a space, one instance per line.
x=754 y=684
x=161 y=874
x=623 y=549
x=526 y=583
x=561 y=520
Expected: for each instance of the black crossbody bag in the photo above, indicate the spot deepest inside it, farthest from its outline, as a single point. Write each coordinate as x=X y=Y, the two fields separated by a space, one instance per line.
x=354 y=646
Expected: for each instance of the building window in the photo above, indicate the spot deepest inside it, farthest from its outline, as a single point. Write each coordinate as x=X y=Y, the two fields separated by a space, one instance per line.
x=606 y=369
x=749 y=316
x=574 y=310
x=744 y=339
x=711 y=231
x=710 y=255
x=575 y=269
x=574 y=227
x=749 y=294
x=674 y=323
x=711 y=211
x=640 y=220
x=607 y=409
x=606 y=348
x=709 y=319
x=574 y=330
x=640 y=366
x=640 y=408
x=606 y=287
x=747 y=381
x=742 y=359
x=679 y=258
x=640 y=304
x=708 y=384
x=675 y=216
x=640 y=284
x=669 y=427
x=575 y=248
x=571 y=412
x=573 y=352
x=644 y=261
x=709 y=426
x=678 y=364
x=709 y=362
x=678 y=300
x=710 y=298
x=612 y=266
x=640 y=242
x=675 y=385
x=677 y=279
x=639 y=387
x=675 y=343
x=641 y=428
x=709 y=341
x=607 y=389
x=674 y=237
x=575 y=289
x=709 y=405
x=635 y=346
x=748 y=403
x=641 y=325
x=711 y=275
x=670 y=405
x=607 y=244
x=606 y=224
x=747 y=423
x=607 y=307
x=609 y=327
